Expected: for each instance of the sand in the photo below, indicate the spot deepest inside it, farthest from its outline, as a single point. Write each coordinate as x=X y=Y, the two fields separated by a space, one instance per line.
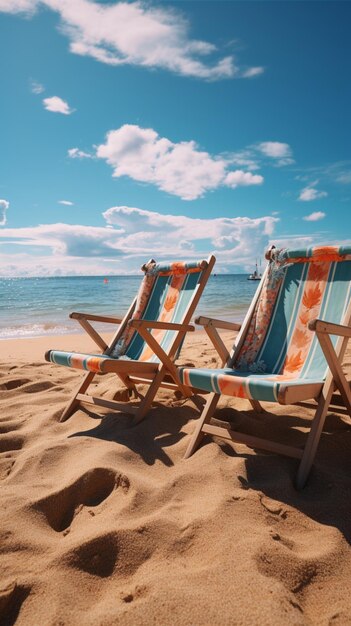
x=102 y=523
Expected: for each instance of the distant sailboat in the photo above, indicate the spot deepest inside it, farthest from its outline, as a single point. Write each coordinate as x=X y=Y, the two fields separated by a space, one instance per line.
x=255 y=274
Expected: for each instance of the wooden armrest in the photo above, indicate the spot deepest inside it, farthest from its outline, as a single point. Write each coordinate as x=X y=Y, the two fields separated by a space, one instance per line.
x=161 y=325
x=320 y=326
x=95 y=318
x=207 y=321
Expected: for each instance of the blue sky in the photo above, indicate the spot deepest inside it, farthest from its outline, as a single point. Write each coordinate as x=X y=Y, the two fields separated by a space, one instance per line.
x=171 y=130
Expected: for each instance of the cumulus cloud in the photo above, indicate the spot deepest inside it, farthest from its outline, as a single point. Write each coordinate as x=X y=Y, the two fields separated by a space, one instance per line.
x=280 y=152
x=240 y=178
x=181 y=169
x=232 y=240
x=132 y=235
x=75 y=153
x=252 y=157
x=66 y=202
x=66 y=239
x=136 y=33
x=310 y=193
x=57 y=105
x=314 y=217
x=4 y=205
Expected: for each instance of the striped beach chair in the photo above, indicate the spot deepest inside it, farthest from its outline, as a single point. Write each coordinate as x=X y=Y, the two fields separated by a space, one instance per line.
x=148 y=340
x=289 y=348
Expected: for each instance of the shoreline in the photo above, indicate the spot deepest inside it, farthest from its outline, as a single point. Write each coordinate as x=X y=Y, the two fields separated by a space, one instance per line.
x=28 y=348
x=35 y=347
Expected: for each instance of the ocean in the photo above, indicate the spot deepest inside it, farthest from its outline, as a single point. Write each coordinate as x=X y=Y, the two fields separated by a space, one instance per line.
x=31 y=307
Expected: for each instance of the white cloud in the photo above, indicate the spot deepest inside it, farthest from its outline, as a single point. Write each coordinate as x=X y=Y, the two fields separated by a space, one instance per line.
x=75 y=153
x=253 y=71
x=18 y=6
x=244 y=158
x=277 y=150
x=240 y=178
x=36 y=87
x=338 y=172
x=234 y=241
x=177 y=168
x=267 y=152
x=344 y=178
x=57 y=105
x=309 y=193
x=136 y=33
x=4 y=205
x=66 y=239
x=314 y=217
x=66 y=202
x=130 y=236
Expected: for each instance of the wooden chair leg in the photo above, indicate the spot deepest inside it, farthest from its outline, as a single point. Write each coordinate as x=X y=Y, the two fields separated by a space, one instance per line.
x=313 y=439
x=207 y=413
x=256 y=406
x=74 y=403
x=132 y=389
x=146 y=402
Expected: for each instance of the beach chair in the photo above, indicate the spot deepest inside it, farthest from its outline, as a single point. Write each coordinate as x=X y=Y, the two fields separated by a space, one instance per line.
x=289 y=348
x=148 y=340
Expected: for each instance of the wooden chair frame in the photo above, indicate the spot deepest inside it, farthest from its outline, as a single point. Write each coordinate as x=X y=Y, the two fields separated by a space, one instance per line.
x=335 y=380
x=162 y=374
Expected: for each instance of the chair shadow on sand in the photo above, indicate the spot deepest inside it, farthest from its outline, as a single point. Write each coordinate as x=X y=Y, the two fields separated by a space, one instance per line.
x=327 y=494
x=148 y=439
x=326 y=497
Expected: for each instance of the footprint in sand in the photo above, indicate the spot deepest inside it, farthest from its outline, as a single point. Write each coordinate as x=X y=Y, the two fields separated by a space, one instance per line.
x=96 y=557
x=6 y=465
x=89 y=490
x=8 y=427
x=26 y=385
x=14 y=384
x=119 y=553
x=273 y=507
x=295 y=572
x=12 y=596
x=10 y=442
x=44 y=385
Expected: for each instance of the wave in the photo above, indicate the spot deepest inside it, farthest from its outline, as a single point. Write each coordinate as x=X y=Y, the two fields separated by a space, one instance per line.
x=34 y=330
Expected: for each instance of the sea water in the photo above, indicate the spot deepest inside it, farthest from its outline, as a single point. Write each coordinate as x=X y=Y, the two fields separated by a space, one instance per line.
x=32 y=307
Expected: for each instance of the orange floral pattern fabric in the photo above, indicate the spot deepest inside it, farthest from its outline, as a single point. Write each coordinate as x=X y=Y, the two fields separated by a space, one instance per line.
x=309 y=309
x=246 y=359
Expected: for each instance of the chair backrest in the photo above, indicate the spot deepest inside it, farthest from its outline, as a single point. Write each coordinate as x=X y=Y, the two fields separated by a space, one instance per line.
x=168 y=293
x=298 y=286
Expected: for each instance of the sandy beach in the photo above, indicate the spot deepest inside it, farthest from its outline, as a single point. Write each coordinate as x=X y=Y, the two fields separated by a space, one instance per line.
x=106 y=524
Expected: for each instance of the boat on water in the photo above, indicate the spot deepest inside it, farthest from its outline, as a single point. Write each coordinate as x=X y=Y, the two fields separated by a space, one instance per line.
x=255 y=274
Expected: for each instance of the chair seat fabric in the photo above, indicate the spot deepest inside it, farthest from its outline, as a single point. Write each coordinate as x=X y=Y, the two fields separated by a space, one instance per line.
x=239 y=384
x=78 y=360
